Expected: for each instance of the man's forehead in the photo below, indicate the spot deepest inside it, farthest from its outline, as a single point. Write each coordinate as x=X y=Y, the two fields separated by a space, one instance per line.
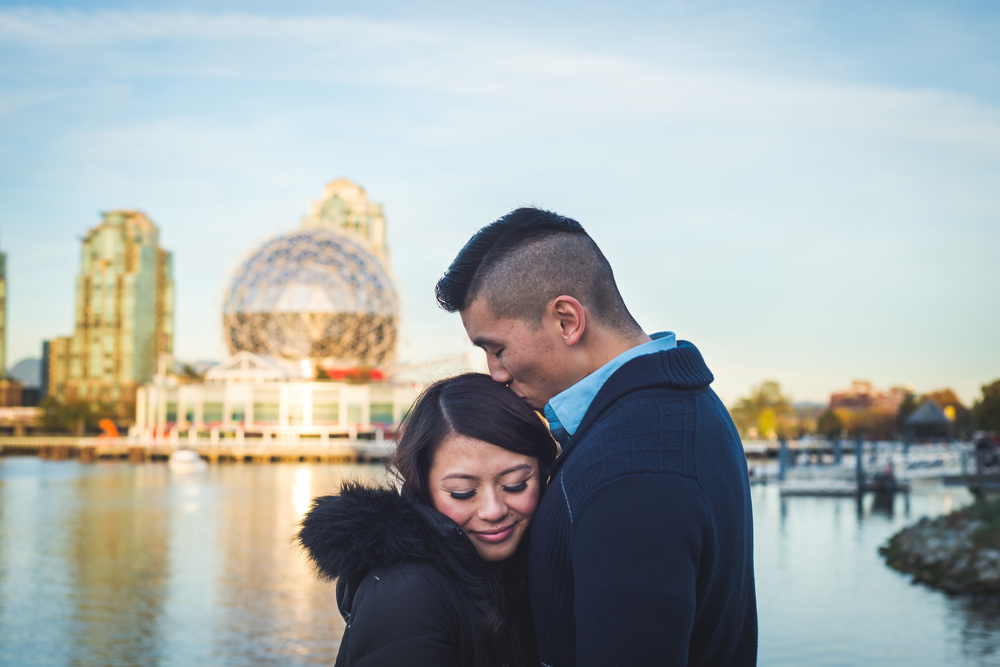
x=477 y=318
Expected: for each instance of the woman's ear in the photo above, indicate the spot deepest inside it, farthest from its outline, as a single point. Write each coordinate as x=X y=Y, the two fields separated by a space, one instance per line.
x=570 y=316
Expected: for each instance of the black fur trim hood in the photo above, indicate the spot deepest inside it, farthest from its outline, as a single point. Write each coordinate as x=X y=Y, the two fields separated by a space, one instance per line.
x=363 y=527
x=366 y=527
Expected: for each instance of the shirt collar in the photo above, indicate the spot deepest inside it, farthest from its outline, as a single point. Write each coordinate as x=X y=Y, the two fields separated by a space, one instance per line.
x=565 y=410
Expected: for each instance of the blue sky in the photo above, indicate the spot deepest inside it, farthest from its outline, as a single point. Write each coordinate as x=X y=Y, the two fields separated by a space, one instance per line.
x=808 y=191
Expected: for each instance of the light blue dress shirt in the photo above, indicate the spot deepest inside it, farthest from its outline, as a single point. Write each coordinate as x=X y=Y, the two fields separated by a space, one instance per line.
x=565 y=410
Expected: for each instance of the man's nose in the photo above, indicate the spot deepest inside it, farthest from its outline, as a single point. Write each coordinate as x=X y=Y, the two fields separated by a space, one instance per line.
x=497 y=370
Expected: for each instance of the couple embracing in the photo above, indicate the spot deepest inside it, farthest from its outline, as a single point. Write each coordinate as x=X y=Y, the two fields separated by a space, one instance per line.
x=631 y=546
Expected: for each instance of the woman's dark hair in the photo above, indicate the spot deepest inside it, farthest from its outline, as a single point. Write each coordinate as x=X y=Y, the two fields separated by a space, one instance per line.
x=475 y=406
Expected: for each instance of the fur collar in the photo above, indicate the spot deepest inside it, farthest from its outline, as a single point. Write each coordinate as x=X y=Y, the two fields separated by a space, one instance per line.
x=364 y=527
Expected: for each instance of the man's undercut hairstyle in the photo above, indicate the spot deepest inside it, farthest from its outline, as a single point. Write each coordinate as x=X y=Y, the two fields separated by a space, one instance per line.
x=522 y=261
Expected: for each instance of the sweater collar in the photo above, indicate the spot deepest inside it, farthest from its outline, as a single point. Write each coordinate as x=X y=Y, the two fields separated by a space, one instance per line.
x=681 y=368
x=566 y=410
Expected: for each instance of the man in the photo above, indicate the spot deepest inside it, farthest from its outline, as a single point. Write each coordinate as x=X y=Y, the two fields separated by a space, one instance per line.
x=641 y=551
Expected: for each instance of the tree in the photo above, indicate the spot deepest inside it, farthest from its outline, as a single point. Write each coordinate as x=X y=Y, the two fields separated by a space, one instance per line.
x=987 y=411
x=906 y=408
x=76 y=417
x=766 y=411
x=830 y=425
x=958 y=413
x=191 y=374
x=872 y=424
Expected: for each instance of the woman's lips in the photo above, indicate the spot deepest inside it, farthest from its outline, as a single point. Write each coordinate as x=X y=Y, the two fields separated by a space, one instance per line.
x=495 y=535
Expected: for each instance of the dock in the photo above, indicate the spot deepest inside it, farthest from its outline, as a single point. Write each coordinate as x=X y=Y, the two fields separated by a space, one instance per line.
x=839 y=488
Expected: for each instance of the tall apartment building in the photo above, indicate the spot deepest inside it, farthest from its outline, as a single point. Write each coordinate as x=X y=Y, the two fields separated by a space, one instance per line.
x=55 y=366
x=124 y=315
x=3 y=314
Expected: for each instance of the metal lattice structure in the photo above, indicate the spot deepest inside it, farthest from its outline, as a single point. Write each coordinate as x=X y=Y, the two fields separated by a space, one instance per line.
x=313 y=294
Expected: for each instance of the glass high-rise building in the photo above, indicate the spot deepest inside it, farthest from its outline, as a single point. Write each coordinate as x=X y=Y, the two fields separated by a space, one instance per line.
x=3 y=314
x=124 y=327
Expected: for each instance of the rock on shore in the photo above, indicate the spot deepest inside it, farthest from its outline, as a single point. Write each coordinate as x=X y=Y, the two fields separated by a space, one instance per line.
x=958 y=553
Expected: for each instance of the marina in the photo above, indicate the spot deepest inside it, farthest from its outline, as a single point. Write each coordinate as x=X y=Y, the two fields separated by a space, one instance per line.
x=131 y=563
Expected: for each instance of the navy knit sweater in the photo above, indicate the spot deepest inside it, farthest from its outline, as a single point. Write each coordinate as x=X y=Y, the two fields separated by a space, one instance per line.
x=641 y=551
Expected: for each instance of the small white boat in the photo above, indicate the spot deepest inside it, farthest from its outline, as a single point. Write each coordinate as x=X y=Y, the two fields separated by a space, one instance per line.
x=186 y=460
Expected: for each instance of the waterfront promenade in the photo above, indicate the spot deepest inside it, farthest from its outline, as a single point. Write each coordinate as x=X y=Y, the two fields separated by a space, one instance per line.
x=318 y=449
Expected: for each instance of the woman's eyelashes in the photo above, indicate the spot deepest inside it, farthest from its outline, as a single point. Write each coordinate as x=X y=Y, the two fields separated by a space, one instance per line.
x=507 y=488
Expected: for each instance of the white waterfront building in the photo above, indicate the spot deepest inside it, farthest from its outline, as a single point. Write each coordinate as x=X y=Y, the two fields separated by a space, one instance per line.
x=250 y=395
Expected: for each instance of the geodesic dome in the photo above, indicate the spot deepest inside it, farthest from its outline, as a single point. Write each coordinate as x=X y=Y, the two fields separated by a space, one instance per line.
x=313 y=294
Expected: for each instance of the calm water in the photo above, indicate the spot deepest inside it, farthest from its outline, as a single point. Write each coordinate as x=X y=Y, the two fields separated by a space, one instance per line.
x=115 y=564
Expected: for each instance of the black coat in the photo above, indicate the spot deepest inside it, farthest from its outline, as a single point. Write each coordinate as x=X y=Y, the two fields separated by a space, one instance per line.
x=410 y=584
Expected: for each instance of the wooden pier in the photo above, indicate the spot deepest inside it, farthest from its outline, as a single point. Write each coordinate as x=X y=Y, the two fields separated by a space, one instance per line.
x=304 y=450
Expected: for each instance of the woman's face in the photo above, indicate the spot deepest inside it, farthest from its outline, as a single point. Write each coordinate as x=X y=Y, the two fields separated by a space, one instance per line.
x=489 y=491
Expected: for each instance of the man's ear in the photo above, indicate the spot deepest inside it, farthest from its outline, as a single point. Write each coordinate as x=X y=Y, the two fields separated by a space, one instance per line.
x=571 y=317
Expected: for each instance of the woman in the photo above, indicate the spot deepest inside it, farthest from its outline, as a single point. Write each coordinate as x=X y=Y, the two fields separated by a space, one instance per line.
x=434 y=575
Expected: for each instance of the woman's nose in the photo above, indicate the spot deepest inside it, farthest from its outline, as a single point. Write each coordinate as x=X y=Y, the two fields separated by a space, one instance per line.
x=493 y=508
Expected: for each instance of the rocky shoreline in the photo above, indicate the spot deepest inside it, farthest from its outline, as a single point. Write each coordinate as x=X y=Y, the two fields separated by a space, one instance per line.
x=958 y=553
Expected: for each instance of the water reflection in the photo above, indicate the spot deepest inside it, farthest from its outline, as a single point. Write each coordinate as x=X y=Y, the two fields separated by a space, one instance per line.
x=882 y=503
x=115 y=564
x=980 y=629
x=117 y=553
x=302 y=493
x=826 y=597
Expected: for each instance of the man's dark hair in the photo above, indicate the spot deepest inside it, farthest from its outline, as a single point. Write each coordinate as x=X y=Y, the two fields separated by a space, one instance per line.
x=522 y=261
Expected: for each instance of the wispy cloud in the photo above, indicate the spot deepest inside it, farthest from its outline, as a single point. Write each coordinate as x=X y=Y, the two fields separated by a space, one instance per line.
x=696 y=156
x=474 y=65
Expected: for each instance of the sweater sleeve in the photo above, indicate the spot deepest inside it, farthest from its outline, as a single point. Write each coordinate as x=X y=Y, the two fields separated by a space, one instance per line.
x=635 y=555
x=402 y=616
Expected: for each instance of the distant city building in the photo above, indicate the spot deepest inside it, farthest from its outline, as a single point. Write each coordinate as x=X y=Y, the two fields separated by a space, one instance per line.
x=250 y=395
x=862 y=396
x=344 y=208
x=10 y=392
x=3 y=313
x=124 y=325
x=55 y=366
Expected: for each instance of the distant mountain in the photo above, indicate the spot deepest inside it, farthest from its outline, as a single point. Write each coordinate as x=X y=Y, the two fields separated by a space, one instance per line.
x=28 y=372
x=200 y=366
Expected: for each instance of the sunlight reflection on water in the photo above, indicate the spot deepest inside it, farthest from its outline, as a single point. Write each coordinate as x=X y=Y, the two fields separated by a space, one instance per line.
x=119 y=564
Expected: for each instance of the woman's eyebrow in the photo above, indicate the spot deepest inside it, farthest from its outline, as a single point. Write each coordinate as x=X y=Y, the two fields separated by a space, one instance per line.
x=475 y=478
x=459 y=475
x=522 y=466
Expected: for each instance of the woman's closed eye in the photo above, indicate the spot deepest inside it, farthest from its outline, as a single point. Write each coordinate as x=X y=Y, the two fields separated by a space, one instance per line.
x=516 y=488
x=462 y=495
